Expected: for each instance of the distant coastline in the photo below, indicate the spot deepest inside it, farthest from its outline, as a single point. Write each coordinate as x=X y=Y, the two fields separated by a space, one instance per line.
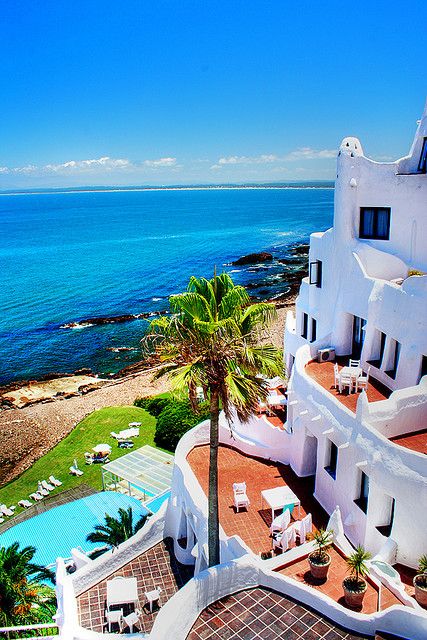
x=203 y=187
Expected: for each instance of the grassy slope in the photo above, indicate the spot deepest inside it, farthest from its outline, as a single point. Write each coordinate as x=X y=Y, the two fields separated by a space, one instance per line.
x=94 y=429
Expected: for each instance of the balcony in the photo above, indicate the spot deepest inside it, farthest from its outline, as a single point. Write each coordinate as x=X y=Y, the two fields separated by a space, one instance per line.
x=323 y=374
x=416 y=441
x=253 y=525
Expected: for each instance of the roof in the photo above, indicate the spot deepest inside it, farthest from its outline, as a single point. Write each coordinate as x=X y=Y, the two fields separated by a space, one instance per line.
x=146 y=467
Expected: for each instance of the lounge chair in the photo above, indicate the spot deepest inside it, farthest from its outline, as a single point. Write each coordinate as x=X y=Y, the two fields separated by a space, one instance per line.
x=5 y=511
x=283 y=540
x=1 y=520
x=36 y=496
x=54 y=481
x=240 y=497
x=282 y=521
x=47 y=486
x=115 y=435
x=75 y=471
x=88 y=458
x=42 y=490
x=25 y=504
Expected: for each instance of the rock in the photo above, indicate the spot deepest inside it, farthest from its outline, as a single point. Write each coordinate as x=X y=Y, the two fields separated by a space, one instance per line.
x=254 y=258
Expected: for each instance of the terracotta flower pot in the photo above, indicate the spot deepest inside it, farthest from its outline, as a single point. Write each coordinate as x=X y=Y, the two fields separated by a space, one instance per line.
x=318 y=570
x=420 y=584
x=353 y=598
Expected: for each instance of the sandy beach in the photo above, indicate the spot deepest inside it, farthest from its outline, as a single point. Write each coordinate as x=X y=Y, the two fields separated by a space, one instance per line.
x=29 y=432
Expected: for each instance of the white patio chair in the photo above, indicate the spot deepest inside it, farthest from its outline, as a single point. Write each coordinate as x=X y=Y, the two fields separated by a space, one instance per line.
x=152 y=597
x=303 y=527
x=353 y=363
x=132 y=619
x=47 y=486
x=363 y=381
x=336 y=376
x=25 y=503
x=5 y=511
x=114 y=617
x=345 y=381
x=55 y=481
x=40 y=489
x=36 y=496
x=88 y=457
x=240 y=497
x=283 y=540
x=281 y=522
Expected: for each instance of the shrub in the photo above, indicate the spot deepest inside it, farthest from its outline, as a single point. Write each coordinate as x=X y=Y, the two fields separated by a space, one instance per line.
x=153 y=405
x=175 y=420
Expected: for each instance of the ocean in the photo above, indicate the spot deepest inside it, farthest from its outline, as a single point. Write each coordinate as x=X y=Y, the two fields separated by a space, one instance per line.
x=70 y=256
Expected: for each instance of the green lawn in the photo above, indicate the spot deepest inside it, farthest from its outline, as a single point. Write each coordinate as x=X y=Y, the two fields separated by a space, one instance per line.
x=94 y=429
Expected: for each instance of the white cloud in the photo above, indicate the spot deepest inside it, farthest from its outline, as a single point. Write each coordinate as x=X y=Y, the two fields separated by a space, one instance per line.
x=161 y=162
x=105 y=164
x=83 y=166
x=262 y=159
x=307 y=153
x=303 y=153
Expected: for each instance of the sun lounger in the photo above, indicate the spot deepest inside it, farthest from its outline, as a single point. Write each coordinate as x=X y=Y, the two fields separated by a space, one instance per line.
x=75 y=472
x=5 y=511
x=55 y=481
x=1 y=520
x=25 y=503
x=47 y=486
x=42 y=490
x=115 y=435
x=36 y=496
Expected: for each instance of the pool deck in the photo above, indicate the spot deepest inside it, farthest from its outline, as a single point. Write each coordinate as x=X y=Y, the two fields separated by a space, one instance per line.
x=55 y=499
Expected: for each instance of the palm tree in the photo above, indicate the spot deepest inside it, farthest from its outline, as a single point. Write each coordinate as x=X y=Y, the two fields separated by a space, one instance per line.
x=24 y=599
x=358 y=567
x=116 y=530
x=213 y=340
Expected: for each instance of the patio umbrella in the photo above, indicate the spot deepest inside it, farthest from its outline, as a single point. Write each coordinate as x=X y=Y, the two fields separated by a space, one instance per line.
x=102 y=448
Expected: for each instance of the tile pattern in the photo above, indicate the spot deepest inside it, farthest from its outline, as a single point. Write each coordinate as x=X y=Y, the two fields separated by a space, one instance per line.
x=333 y=586
x=155 y=568
x=257 y=614
x=323 y=373
x=416 y=441
x=253 y=525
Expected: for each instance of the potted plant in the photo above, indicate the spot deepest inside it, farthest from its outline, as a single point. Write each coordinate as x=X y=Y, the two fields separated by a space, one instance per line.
x=420 y=582
x=355 y=585
x=319 y=560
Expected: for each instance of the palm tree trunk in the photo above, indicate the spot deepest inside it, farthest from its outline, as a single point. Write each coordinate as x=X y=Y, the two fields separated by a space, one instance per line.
x=213 y=517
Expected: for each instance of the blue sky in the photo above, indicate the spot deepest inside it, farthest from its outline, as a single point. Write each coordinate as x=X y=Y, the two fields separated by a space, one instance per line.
x=138 y=92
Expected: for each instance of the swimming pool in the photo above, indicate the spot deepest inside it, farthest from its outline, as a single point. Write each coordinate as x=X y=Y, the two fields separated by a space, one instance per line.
x=55 y=532
x=155 y=504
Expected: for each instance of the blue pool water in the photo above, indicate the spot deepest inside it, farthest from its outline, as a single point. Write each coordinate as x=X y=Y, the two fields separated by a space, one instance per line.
x=68 y=257
x=55 y=532
x=154 y=505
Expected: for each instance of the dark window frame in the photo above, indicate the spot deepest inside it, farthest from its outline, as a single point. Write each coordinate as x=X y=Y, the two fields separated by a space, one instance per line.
x=423 y=367
x=331 y=467
x=313 y=334
x=375 y=235
x=304 y=330
x=316 y=277
x=362 y=500
x=396 y=357
x=422 y=165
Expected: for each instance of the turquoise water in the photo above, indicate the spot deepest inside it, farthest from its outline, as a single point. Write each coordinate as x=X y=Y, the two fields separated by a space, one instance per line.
x=55 y=532
x=65 y=257
x=154 y=505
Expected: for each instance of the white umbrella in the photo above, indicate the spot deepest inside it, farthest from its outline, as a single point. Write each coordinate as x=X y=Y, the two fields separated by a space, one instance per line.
x=101 y=448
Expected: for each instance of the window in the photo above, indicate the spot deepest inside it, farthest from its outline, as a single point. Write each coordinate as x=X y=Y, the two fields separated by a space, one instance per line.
x=331 y=467
x=313 y=330
x=385 y=529
x=377 y=362
x=316 y=273
x=362 y=500
x=358 y=336
x=304 y=330
x=395 y=355
x=375 y=223
x=423 y=369
x=422 y=165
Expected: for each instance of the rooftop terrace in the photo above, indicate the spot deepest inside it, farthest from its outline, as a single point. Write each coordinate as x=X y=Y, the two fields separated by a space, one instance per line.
x=253 y=525
x=155 y=568
x=261 y=613
x=323 y=373
x=416 y=441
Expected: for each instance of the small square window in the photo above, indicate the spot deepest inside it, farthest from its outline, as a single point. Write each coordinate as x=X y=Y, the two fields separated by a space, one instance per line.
x=375 y=223
x=331 y=467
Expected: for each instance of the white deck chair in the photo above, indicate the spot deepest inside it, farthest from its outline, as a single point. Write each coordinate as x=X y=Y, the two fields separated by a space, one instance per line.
x=363 y=381
x=281 y=522
x=75 y=471
x=303 y=527
x=336 y=376
x=5 y=511
x=25 y=503
x=345 y=381
x=47 y=486
x=240 y=497
x=115 y=435
x=284 y=539
x=36 y=496
x=114 y=617
x=55 y=481
x=40 y=489
x=353 y=363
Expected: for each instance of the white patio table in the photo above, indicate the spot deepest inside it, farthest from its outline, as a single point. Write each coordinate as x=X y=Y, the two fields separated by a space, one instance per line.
x=122 y=591
x=352 y=372
x=278 y=498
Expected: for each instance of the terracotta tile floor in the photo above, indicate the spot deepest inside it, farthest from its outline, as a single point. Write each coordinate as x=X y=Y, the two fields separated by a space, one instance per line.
x=157 y=567
x=257 y=614
x=333 y=586
x=253 y=525
x=323 y=373
x=416 y=441
x=406 y=575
